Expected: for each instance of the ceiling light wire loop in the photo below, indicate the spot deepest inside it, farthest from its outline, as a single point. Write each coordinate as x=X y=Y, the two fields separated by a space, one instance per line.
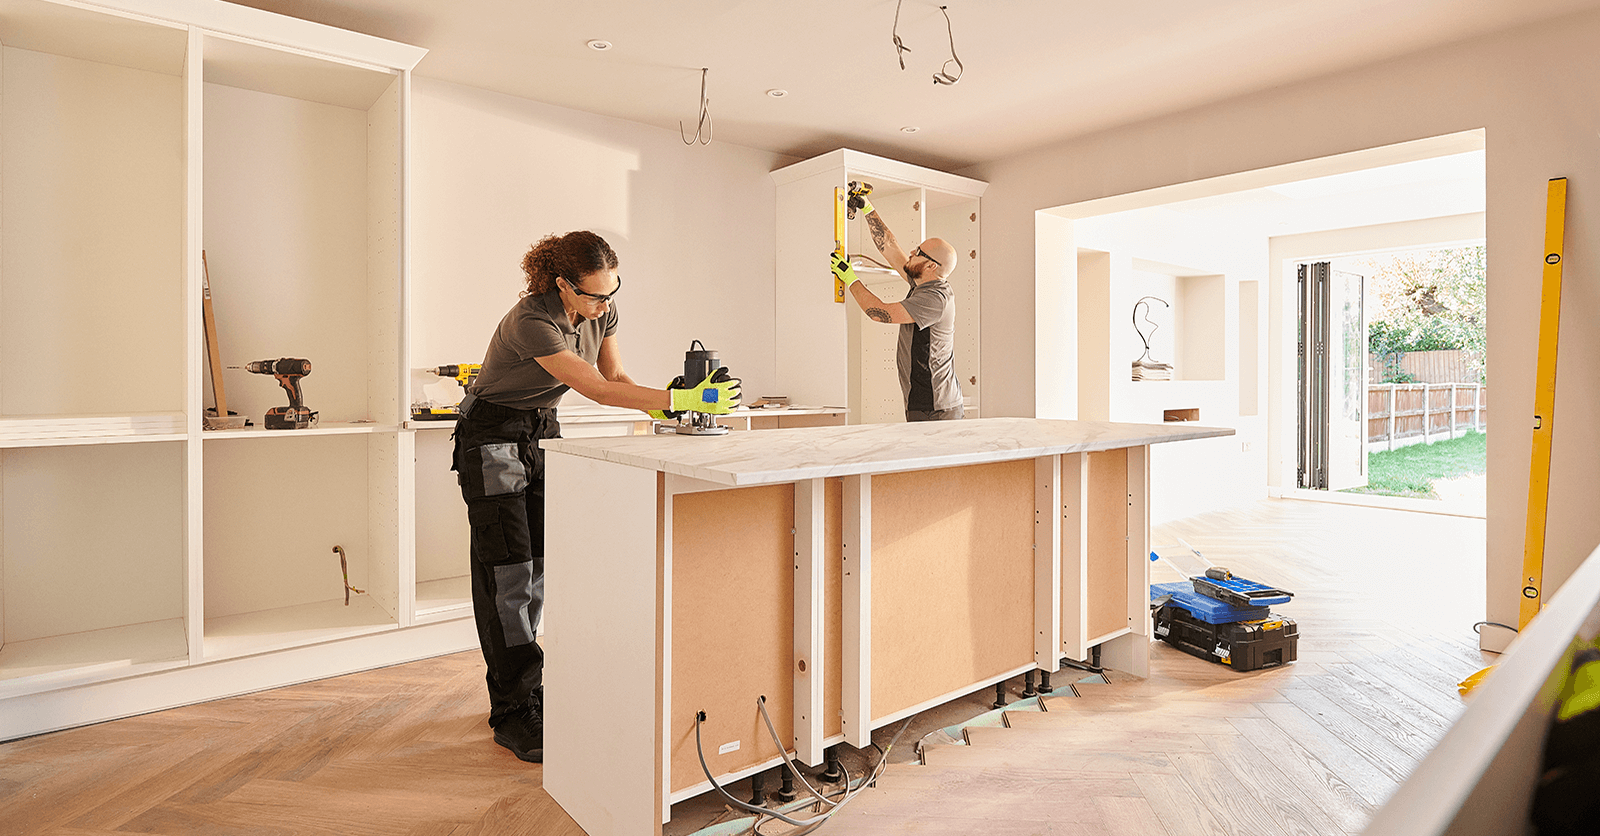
x=943 y=76
x=900 y=49
x=704 y=124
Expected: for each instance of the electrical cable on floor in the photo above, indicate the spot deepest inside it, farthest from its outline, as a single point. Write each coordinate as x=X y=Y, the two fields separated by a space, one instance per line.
x=866 y=780
x=761 y=703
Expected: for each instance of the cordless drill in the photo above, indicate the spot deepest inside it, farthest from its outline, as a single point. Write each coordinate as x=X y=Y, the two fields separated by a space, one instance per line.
x=858 y=193
x=464 y=373
x=287 y=371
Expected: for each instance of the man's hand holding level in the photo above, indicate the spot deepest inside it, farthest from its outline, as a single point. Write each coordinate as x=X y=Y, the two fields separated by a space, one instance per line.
x=842 y=269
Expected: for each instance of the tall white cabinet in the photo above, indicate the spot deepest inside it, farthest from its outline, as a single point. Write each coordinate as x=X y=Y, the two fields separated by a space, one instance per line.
x=145 y=562
x=829 y=353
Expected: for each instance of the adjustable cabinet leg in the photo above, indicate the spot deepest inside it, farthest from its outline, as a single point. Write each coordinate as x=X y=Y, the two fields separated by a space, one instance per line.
x=758 y=789
x=1044 y=683
x=999 y=695
x=786 y=791
x=834 y=772
x=1027 y=685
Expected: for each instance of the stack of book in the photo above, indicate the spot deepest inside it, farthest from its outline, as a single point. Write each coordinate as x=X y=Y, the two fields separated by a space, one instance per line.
x=1147 y=369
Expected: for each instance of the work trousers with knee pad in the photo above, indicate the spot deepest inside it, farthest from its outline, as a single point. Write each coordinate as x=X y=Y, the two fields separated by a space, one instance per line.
x=500 y=468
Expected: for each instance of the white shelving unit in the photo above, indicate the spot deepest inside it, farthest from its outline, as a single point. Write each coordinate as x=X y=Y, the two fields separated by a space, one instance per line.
x=830 y=353
x=144 y=562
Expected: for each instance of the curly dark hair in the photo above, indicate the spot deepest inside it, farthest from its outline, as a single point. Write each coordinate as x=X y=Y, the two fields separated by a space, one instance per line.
x=571 y=257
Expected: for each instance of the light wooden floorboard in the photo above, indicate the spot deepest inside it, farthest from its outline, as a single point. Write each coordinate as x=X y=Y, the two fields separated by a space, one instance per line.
x=1309 y=748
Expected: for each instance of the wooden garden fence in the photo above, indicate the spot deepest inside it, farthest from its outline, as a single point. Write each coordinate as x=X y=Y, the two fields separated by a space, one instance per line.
x=1407 y=413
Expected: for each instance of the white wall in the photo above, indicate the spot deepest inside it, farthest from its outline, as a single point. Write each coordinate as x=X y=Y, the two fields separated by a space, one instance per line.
x=693 y=228
x=1146 y=251
x=1531 y=89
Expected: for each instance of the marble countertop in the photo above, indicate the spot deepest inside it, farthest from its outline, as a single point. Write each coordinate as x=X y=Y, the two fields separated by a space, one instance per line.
x=767 y=457
x=598 y=414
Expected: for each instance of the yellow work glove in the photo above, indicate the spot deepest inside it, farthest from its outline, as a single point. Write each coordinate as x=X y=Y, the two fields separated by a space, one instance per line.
x=857 y=201
x=842 y=269
x=667 y=414
x=718 y=394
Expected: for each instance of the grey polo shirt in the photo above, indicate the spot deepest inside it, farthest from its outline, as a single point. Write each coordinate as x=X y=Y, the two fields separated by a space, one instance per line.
x=537 y=326
x=926 y=354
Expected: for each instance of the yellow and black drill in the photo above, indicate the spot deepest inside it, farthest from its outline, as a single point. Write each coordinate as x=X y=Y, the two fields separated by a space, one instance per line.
x=287 y=371
x=462 y=373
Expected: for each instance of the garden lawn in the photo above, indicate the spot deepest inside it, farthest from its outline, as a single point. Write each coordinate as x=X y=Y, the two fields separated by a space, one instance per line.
x=1411 y=471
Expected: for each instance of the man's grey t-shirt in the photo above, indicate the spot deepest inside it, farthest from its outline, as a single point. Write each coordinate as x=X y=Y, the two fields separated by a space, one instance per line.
x=537 y=326
x=926 y=354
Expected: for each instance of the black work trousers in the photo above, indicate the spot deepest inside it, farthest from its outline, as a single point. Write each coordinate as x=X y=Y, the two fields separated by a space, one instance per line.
x=500 y=468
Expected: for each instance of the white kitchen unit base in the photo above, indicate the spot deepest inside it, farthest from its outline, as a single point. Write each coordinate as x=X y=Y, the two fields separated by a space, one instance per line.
x=851 y=575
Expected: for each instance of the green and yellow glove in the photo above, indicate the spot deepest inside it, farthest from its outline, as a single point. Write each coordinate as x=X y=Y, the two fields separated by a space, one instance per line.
x=857 y=201
x=842 y=269
x=718 y=394
x=667 y=414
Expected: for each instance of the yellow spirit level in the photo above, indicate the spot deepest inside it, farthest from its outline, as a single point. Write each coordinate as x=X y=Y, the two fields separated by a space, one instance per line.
x=1544 y=402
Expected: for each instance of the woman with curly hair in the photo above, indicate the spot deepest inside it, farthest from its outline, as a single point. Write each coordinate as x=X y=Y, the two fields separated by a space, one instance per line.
x=560 y=335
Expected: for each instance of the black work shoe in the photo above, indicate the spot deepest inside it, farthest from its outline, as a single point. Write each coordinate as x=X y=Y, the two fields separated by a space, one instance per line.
x=523 y=734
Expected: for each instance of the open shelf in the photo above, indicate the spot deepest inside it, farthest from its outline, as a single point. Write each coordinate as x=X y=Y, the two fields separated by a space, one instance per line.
x=91 y=560
x=41 y=430
x=444 y=539
x=444 y=598
x=93 y=656
x=273 y=513
x=131 y=547
x=321 y=428
x=91 y=213
x=296 y=626
x=302 y=207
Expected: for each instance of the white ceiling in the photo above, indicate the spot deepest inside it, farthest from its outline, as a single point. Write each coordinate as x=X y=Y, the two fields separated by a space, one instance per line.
x=1036 y=71
x=1429 y=188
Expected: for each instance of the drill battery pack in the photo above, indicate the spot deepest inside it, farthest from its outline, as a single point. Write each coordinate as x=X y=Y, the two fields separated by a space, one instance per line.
x=289 y=418
x=1242 y=645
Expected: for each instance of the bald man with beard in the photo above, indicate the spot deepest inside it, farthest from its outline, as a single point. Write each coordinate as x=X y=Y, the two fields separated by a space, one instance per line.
x=927 y=319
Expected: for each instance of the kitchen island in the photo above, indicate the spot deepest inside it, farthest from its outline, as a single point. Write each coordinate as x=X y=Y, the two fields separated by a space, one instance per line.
x=850 y=575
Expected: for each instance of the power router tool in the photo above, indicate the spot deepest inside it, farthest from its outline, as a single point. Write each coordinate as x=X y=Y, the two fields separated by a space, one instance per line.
x=697 y=365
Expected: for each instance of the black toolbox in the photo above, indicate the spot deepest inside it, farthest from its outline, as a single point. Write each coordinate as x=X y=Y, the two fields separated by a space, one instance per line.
x=1242 y=645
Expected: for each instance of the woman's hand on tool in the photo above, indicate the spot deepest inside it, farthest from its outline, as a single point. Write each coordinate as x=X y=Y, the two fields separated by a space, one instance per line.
x=718 y=394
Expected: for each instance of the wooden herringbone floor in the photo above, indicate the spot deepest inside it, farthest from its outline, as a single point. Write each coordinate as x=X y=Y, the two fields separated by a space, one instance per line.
x=1385 y=601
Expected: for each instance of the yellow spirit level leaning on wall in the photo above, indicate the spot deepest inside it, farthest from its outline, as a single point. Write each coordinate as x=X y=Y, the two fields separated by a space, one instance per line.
x=1544 y=403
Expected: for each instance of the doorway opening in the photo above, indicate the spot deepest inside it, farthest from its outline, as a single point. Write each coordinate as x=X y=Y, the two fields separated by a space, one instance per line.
x=1203 y=277
x=1408 y=387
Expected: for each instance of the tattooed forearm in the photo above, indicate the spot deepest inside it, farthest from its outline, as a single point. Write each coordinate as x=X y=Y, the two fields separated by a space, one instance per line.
x=880 y=233
x=878 y=314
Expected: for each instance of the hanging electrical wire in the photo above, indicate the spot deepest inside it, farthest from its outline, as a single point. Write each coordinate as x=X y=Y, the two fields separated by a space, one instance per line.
x=704 y=124
x=900 y=49
x=943 y=76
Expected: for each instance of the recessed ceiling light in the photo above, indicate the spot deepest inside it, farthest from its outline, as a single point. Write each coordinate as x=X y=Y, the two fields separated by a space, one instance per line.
x=910 y=129
x=599 y=46
x=776 y=93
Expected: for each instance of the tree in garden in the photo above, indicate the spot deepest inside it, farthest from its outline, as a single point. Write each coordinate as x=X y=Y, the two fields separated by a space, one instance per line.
x=1427 y=301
